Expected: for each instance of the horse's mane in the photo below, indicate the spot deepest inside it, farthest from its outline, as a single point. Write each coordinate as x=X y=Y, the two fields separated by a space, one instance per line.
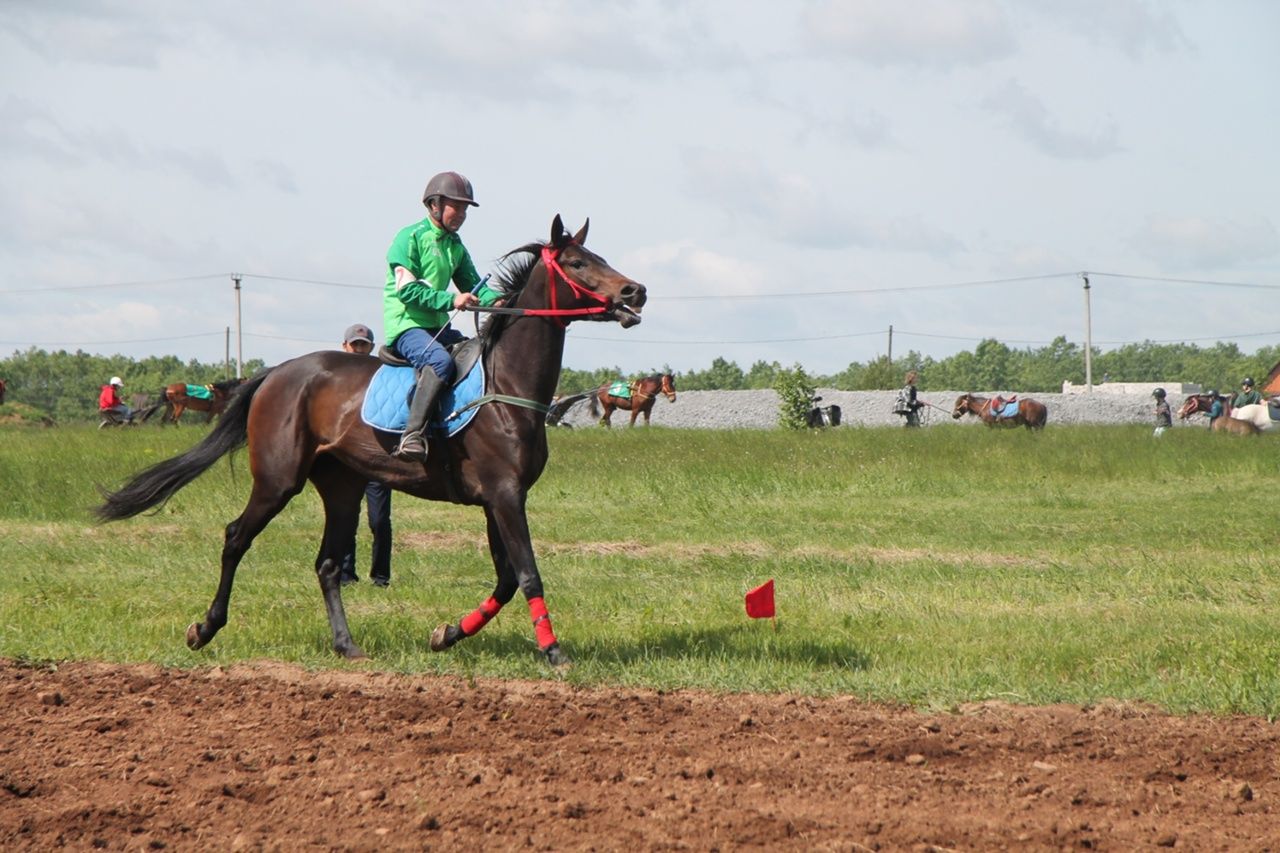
x=227 y=385
x=510 y=278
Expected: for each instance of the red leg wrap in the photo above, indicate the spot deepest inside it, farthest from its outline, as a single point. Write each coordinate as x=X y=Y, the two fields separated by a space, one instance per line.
x=478 y=618
x=541 y=623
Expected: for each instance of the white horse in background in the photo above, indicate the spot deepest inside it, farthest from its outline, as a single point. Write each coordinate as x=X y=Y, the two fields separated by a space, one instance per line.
x=1255 y=414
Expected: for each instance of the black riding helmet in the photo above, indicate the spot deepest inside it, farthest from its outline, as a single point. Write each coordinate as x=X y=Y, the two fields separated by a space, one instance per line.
x=1158 y=393
x=452 y=186
x=1247 y=382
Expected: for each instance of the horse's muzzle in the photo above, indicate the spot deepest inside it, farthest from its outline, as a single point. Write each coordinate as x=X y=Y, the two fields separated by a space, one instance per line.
x=627 y=311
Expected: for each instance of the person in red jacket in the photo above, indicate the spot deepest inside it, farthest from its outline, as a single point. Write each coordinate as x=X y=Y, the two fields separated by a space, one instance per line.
x=109 y=402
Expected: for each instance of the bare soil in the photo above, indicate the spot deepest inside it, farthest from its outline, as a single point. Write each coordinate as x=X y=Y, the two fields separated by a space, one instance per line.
x=267 y=756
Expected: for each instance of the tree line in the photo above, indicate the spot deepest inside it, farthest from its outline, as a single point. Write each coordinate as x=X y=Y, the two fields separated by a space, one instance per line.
x=65 y=385
x=990 y=366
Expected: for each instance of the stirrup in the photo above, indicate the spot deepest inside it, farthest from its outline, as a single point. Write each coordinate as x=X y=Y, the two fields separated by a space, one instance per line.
x=406 y=450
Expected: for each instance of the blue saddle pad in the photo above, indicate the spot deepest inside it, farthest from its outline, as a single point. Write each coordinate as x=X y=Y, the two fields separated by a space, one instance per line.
x=386 y=400
x=1008 y=410
x=1273 y=409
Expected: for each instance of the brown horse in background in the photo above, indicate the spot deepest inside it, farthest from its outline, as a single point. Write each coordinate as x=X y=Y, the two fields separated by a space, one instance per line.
x=644 y=393
x=301 y=421
x=1031 y=414
x=176 y=400
x=1203 y=402
x=2 y=390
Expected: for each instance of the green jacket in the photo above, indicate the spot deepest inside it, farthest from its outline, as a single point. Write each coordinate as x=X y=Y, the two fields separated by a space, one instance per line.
x=1243 y=398
x=435 y=257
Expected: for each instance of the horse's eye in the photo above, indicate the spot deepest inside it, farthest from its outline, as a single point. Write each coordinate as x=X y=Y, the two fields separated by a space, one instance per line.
x=577 y=264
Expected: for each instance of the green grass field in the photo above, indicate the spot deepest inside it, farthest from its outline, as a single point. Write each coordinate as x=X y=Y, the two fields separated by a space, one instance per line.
x=931 y=567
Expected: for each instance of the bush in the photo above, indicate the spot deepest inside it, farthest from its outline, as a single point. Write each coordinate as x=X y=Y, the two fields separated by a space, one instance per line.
x=795 y=393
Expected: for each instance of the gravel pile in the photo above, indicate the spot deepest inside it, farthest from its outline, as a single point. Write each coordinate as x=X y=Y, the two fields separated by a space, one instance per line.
x=759 y=409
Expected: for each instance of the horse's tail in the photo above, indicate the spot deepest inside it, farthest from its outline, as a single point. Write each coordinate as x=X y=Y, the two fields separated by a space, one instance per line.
x=162 y=481
x=594 y=398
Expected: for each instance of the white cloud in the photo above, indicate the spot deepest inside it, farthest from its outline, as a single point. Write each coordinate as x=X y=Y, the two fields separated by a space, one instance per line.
x=1194 y=242
x=1030 y=118
x=931 y=33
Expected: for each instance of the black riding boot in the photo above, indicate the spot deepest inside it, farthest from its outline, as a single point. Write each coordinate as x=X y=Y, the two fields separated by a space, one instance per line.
x=413 y=444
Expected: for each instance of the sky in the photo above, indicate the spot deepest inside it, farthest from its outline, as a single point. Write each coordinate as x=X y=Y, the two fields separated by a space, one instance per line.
x=789 y=180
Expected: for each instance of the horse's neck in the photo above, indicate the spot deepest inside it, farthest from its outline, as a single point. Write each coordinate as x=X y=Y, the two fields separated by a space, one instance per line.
x=527 y=356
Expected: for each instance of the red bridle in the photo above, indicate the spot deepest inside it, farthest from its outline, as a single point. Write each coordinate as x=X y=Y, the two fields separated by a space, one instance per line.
x=552 y=264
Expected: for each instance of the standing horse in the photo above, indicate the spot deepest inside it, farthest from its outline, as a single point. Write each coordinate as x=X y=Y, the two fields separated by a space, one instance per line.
x=301 y=421
x=644 y=393
x=1031 y=413
x=1229 y=422
x=176 y=400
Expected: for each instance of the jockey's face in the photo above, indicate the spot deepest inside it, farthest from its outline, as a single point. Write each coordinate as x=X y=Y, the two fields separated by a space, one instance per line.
x=449 y=214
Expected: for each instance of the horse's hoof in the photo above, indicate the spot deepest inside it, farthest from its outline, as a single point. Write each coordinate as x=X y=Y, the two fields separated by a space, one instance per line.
x=557 y=657
x=352 y=653
x=193 y=636
x=442 y=638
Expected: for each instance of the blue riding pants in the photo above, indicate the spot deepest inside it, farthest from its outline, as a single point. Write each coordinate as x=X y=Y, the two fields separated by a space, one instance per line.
x=416 y=347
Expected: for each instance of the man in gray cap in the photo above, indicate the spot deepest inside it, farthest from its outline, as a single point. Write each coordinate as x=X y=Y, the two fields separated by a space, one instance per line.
x=359 y=339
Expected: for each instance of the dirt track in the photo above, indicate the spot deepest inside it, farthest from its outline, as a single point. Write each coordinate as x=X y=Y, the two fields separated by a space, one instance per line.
x=270 y=756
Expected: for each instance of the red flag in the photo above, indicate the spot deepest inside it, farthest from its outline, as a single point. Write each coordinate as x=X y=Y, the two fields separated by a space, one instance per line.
x=760 y=601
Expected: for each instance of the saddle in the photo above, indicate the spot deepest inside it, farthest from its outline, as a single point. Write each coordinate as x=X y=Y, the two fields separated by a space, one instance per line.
x=386 y=399
x=621 y=388
x=1005 y=408
x=200 y=392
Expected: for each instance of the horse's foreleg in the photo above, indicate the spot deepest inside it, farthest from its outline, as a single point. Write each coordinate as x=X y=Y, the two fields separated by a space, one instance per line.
x=446 y=635
x=513 y=554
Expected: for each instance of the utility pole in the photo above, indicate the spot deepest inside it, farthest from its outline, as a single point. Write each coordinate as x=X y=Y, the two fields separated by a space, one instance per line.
x=239 y=331
x=890 y=345
x=226 y=358
x=1088 y=337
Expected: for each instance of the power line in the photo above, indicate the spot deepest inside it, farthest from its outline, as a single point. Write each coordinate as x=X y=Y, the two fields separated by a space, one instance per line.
x=895 y=289
x=148 y=283
x=1187 y=280
x=219 y=333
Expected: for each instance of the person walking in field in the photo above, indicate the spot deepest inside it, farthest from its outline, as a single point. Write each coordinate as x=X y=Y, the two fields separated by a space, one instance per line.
x=422 y=261
x=110 y=404
x=906 y=404
x=1164 y=416
x=358 y=339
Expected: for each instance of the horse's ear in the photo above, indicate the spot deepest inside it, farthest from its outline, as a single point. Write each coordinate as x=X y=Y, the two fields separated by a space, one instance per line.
x=581 y=237
x=558 y=236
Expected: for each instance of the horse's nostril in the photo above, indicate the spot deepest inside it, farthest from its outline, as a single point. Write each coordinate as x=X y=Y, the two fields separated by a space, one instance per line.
x=634 y=294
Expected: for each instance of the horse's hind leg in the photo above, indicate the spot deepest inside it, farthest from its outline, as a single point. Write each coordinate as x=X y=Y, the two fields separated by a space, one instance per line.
x=340 y=489
x=279 y=473
x=608 y=412
x=265 y=502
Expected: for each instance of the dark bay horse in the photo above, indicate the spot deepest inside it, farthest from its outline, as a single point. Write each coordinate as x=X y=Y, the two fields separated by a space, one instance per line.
x=644 y=393
x=1031 y=413
x=1203 y=402
x=176 y=400
x=301 y=421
